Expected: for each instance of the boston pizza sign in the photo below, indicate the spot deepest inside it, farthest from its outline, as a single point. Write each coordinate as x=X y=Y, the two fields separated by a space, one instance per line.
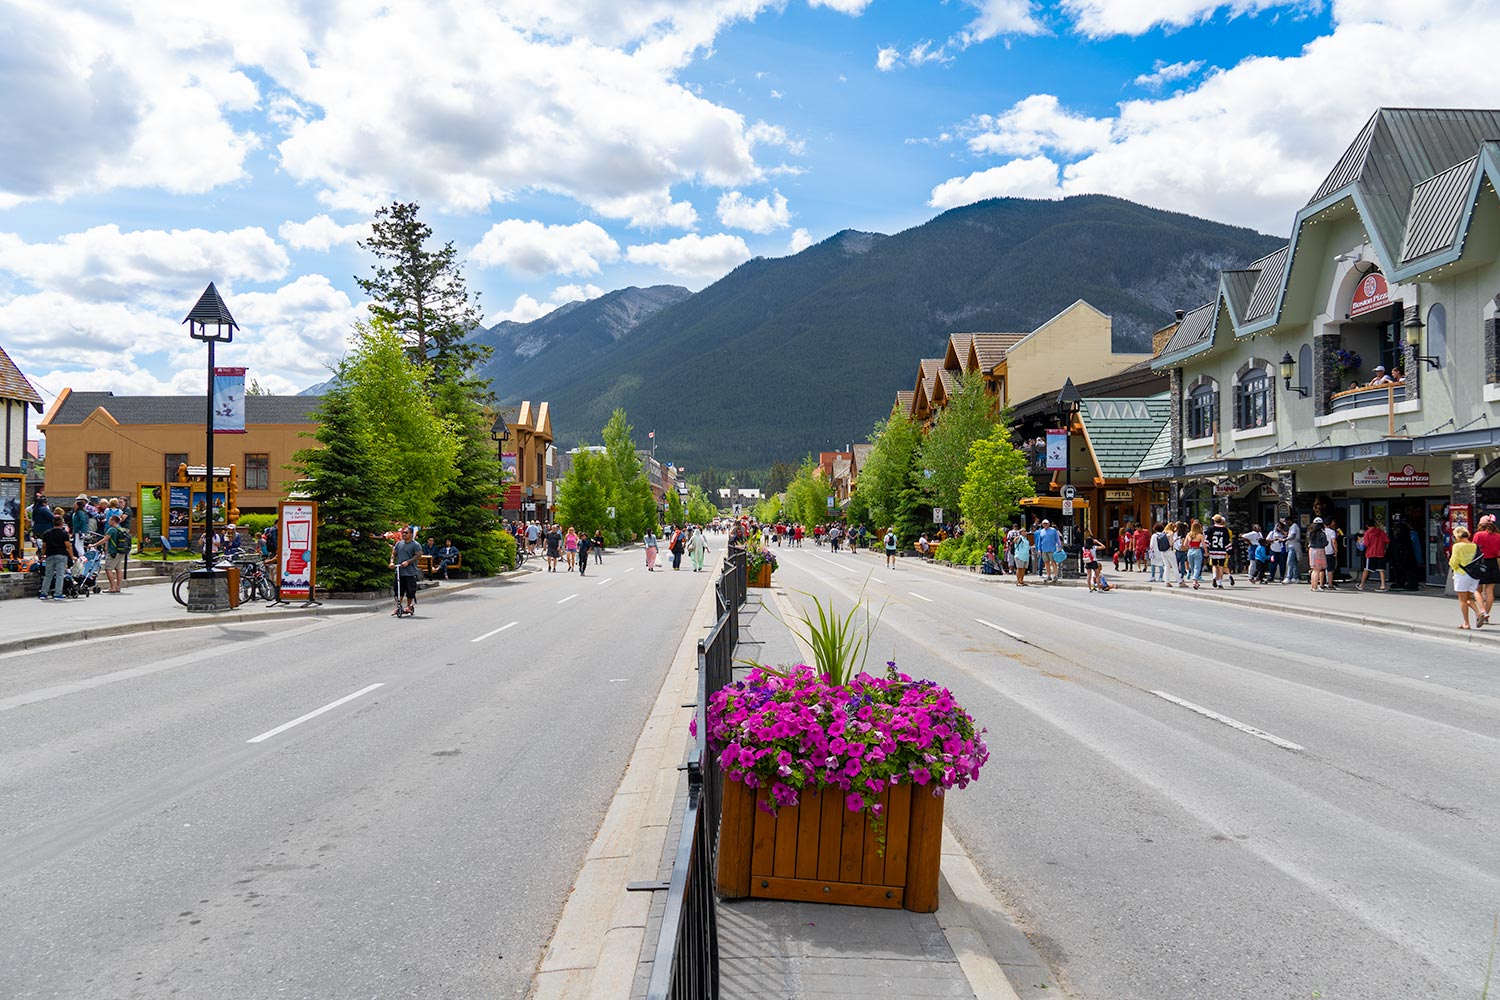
x=1371 y=294
x=1408 y=476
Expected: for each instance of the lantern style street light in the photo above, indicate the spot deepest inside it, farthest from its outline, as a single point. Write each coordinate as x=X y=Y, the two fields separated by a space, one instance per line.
x=1412 y=329
x=1289 y=368
x=499 y=434
x=210 y=322
x=1069 y=402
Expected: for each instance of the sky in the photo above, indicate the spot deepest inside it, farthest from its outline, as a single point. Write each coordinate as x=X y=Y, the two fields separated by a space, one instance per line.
x=571 y=148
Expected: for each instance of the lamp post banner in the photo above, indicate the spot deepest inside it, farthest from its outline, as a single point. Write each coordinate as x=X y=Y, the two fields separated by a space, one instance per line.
x=297 y=535
x=1057 y=450
x=229 y=400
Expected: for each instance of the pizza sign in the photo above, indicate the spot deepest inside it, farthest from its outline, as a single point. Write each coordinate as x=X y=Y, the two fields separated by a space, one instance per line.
x=1408 y=476
x=1370 y=294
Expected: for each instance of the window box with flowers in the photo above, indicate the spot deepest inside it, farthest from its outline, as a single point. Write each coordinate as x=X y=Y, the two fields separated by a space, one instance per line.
x=834 y=780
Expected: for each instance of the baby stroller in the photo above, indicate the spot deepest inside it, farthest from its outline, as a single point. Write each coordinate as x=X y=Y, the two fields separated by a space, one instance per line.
x=83 y=579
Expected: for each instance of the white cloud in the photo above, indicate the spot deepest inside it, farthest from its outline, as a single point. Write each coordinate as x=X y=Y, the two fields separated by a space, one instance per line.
x=799 y=242
x=760 y=216
x=776 y=95
x=1038 y=122
x=1102 y=18
x=1249 y=144
x=693 y=255
x=886 y=58
x=765 y=134
x=576 y=293
x=852 y=7
x=1164 y=72
x=649 y=210
x=1000 y=17
x=536 y=248
x=524 y=310
x=920 y=54
x=104 y=263
x=321 y=233
x=1035 y=177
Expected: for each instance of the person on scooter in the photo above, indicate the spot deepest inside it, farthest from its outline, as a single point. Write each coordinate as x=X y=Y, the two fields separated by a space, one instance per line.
x=406 y=561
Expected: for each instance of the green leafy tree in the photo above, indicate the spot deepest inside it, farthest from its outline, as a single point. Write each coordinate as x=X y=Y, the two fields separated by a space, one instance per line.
x=420 y=292
x=466 y=509
x=414 y=446
x=768 y=511
x=676 y=514
x=699 y=510
x=996 y=479
x=888 y=480
x=635 y=508
x=347 y=479
x=583 y=494
x=807 y=494
x=967 y=418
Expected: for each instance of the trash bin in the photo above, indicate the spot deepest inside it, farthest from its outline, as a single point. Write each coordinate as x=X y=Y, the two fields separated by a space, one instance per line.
x=233 y=573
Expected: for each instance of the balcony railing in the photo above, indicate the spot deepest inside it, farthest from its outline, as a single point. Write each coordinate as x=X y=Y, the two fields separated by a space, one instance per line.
x=1374 y=395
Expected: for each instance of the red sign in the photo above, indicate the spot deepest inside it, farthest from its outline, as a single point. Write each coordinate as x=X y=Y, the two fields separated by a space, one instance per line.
x=1370 y=294
x=1408 y=476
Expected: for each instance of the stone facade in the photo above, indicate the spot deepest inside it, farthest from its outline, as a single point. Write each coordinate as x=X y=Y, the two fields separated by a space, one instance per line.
x=1325 y=370
x=1464 y=469
x=13 y=585
x=1175 y=394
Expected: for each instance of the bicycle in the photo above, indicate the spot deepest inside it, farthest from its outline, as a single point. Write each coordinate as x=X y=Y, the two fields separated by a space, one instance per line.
x=521 y=556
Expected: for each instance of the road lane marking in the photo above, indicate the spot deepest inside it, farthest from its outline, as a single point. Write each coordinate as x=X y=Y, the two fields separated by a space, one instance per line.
x=832 y=563
x=491 y=632
x=604 y=581
x=1231 y=723
x=630 y=570
x=1014 y=635
x=313 y=714
x=920 y=597
x=565 y=600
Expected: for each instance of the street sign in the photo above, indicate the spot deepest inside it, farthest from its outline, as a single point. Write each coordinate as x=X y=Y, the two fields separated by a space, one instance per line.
x=830 y=503
x=611 y=512
x=737 y=510
x=937 y=515
x=1067 y=508
x=1069 y=492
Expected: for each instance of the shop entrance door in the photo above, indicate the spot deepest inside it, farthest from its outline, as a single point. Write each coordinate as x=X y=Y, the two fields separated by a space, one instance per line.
x=1436 y=555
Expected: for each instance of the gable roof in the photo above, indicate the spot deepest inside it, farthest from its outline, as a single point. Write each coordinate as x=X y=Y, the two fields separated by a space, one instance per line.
x=956 y=358
x=1159 y=455
x=76 y=407
x=1122 y=430
x=1272 y=275
x=1196 y=329
x=1437 y=209
x=13 y=385
x=904 y=400
x=990 y=348
x=948 y=379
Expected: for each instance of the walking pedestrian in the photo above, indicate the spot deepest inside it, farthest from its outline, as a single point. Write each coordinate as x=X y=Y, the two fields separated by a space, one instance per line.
x=651 y=548
x=1159 y=552
x=1142 y=542
x=553 y=540
x=1179 y=552
x=56 y=549
x=585 y=545
x=676 y=547
x=1376 y=542
x=1220 y=538
x=890 y=548
x=1487 y=540
x=1465 y=563
x=697 y=548
x=1317 y=555
x=570 y=548
x=1195 y=541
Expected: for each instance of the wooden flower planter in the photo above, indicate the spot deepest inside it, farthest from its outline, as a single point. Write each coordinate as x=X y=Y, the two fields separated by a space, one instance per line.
x=818 y=851
x=760 y=578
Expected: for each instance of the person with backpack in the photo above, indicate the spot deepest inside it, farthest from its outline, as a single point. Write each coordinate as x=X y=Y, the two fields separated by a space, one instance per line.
x=1317 y=555
x=676 y=547
x=116 y=546
x=1160 y=552
x=890 y=548
x=1220 y=540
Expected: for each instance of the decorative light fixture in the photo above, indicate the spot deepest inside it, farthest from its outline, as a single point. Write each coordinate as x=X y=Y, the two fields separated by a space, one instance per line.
x=1412 y=329
x=1288 y=369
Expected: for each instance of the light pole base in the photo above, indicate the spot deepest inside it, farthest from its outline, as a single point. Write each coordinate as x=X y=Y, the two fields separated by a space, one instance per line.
x=208 y=590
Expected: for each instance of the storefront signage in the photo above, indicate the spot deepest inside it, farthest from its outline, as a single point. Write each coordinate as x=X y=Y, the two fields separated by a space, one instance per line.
x=11 y=488
x=298 y=545
x=1126 y=495
x=1226 y=489
x=179 y=508
x=1408 y=476
x=149 y=506
x=1369 y=476
x=1370 y=294
x=1057 y=450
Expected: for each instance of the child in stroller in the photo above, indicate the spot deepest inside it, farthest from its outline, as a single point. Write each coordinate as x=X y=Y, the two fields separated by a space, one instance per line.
x=83 y=579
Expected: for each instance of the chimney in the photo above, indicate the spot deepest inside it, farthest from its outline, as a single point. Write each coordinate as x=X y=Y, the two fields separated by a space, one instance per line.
x=1179 y=314
x=1160 y=338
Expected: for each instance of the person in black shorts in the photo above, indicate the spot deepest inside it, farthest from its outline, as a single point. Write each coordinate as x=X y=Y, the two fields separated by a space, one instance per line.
x=405 y=560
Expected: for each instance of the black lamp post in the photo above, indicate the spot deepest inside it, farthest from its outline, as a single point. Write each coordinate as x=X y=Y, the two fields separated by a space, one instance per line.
x=1288 y=368
x=1412 y=329
x=1069 y=402
x=210 y=322
x=499 y=434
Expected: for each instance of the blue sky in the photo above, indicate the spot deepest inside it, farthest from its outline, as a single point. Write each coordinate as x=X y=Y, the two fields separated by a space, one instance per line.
x=572 y=148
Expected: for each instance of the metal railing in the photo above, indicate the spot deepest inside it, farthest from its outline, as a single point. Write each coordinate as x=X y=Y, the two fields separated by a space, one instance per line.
x=686 y=962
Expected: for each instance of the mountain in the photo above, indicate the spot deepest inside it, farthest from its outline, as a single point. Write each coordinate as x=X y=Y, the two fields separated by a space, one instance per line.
x=546 y=350
x=796 y=354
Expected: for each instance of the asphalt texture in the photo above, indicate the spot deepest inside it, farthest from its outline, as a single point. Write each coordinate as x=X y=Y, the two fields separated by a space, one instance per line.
x=417 y=840
x=1346 y=848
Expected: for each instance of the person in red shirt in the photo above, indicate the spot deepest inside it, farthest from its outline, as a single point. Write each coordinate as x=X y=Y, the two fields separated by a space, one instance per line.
x=1142 y=546
x=1488 y=541
x=1376 y=542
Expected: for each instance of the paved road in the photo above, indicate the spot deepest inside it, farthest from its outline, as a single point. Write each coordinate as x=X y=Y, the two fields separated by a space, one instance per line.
x=416 y=840
x=1344 y=841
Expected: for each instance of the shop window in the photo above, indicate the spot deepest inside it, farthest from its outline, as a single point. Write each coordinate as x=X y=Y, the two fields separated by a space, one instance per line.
x=97 y=471
x=1252 y=401
x=173 y=460
x=257 y=472
x=1201 y=404
x=541 y=468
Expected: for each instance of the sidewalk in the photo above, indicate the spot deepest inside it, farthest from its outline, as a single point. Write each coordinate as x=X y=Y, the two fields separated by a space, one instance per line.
x=26 y=623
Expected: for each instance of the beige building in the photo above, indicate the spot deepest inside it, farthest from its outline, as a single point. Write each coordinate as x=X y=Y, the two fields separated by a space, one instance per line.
x=104 y=445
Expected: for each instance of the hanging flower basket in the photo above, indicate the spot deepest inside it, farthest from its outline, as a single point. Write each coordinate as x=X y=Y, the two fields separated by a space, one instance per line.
x=834 y=792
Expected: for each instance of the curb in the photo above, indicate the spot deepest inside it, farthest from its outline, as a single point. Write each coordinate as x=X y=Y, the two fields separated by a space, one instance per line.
x=168 y=624
x=595 y=949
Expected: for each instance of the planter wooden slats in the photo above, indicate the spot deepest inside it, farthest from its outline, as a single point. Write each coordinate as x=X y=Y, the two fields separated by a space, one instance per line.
x=819 y=851
x=760 y=578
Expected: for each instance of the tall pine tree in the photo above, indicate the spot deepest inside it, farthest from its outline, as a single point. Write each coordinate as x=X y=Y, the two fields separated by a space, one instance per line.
x=466 y=509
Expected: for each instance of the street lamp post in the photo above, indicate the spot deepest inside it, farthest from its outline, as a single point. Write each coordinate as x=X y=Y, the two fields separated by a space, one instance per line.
x=208 y=590
x=499 y=434
x=1069 y=401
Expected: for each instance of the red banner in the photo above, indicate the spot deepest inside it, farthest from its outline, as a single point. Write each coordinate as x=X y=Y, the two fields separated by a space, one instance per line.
x=1370 y=294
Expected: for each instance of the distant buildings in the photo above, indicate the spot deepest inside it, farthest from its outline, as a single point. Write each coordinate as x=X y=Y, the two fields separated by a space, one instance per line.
x=530 y=462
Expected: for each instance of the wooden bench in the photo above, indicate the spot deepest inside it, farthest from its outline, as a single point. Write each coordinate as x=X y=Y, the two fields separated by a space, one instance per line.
x=427 y=564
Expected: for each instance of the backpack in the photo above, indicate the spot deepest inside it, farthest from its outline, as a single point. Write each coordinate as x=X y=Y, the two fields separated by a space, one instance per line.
x=890 y=539
x=1319 y=538
x=1163 y=544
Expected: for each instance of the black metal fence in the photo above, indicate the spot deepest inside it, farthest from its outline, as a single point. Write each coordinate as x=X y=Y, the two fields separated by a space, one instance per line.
x=686 y=963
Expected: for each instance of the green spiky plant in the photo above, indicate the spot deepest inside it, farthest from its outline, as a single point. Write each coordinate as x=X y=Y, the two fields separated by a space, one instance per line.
x=839 y=645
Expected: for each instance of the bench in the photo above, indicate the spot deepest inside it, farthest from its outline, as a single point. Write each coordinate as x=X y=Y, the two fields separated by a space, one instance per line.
x=427 y=564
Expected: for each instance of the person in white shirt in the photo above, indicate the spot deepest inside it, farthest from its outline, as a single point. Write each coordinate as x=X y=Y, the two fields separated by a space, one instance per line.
x=1293 y=552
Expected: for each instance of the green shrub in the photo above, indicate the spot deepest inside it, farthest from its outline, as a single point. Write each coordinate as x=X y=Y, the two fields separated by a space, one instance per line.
x=255 y=523
x=507 y=544
x=950 y=550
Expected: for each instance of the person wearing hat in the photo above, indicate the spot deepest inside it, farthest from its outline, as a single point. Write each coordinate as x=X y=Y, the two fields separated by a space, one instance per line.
x=1219 y=539
x=1381 y=378
x=1048 y=545
x=1317 y=555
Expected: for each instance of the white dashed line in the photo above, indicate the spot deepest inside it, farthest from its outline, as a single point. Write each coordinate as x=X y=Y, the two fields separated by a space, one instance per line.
x=920 y=597
x=312 y=715
x=496 y=631
x=1259 y=734
x=604 y=581
x=1014 y=635
x=565 y=600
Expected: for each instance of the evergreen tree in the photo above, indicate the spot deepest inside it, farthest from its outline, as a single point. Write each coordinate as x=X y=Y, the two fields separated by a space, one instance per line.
x=888 y=480
x=968 y=417
x=466 y=509
x=421 y=292
x=345 y=477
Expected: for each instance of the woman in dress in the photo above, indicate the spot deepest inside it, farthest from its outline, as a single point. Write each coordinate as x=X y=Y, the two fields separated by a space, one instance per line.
x=651 y=547
x=697 y=549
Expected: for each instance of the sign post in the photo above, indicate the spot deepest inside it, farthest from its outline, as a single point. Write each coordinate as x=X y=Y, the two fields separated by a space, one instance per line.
x=297 y=551
x=12 y=487
x=150 y=506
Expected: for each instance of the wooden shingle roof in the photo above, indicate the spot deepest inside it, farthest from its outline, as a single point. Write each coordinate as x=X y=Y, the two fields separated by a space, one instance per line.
x=990 y=348
x=904 y=400
x=13 y=385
